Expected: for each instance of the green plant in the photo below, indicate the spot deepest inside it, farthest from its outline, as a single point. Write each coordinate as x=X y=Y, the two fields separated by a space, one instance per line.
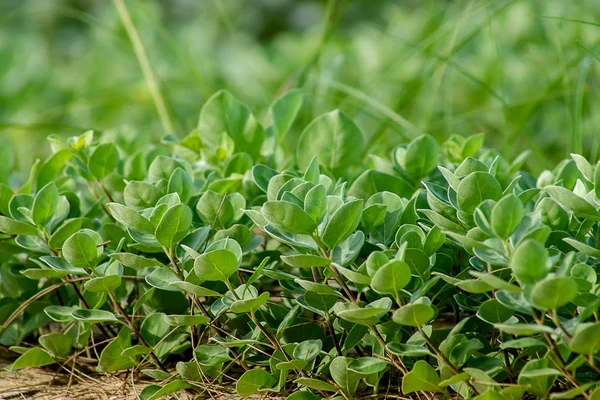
x=444 y=270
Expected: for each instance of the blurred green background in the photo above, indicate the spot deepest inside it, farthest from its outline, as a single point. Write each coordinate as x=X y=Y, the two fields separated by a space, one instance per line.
x=525 y=72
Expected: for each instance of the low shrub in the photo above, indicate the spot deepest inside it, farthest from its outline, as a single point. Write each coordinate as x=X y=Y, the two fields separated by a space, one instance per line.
x=444 y=270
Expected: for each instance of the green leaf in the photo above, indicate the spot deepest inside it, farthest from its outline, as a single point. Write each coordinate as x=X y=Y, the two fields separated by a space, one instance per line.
x=554 y=293
x=308 y=350
x=597 y=180
x=111 y=358
x=224 y=114
x=94 y=316
x=506 y=215
x=522 y=343
x=523 y=329
x=162 y=167
x=391 y=277
x=45 y=205
x=574 y=393
x=12 y=227
x=182 y=183
x=60 y=313
x=494 y=282
x=475 y=188
x=134 y=351
x=494 y=312
x=68 y=228
x=157 y=374
x=353 y=276
x=472 y=145
x=408 y=350
x=372 y=182
x=538 y=377
x=163 y=279
x=211 y=355
x=186 y=320
x=216 y=265
x=253 y=381
x=529 y=262
x=284 y=111
x=103 y=284
x=316 y=384
x=288 y=217
x=421 y=378
x=342 y=223
x=130 y=218
x=322 y=302
x=584 y=248
x=262 y=175
x=421 y=156
x=305 y=261
x=32 y=358
x=315 y=202
x=6 y=194
x=61 y=265
x=586 y=339
x=171 y=387
x=415 y=314
x=52 y=166
x=334 y=138
x=104 y=160
x=139 y=195
x=57 y=344
x=303 y=395
x=357 y=313
x=135 y=261
x=570 y=201
x=249 y=305
x=213 y=207
x=346 y=378
x=444 y=223
x=174 y=225
x=80 y=250
x=158 y=335
x=195 y=289
x=367 y=365
x=317 y=287
x=462 y=352
x=434 y=241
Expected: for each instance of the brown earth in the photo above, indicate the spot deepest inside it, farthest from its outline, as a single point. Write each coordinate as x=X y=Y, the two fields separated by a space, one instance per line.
x=46 y=384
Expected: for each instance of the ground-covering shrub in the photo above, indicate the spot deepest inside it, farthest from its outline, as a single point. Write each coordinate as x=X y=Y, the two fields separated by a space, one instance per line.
x=443 y=270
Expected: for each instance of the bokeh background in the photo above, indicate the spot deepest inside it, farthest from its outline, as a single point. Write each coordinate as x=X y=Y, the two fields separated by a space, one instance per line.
x=525 y=72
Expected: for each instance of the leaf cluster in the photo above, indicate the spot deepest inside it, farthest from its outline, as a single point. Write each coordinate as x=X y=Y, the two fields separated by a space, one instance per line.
x=443 y=267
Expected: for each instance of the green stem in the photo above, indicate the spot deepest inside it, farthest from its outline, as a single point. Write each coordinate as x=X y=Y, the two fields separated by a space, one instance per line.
x=142 y=58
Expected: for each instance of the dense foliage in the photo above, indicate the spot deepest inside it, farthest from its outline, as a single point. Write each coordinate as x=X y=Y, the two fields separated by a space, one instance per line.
x=441 y=270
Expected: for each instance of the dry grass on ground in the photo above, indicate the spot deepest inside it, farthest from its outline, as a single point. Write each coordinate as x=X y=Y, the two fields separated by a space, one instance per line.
x=45 y=384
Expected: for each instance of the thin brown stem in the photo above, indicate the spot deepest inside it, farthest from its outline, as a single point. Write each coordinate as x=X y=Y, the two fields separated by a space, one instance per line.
x=444 y=359
x=333 y=336
x=136 y=331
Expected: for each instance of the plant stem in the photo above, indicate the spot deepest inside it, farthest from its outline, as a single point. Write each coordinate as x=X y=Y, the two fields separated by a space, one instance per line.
x=444 y=359
x=397 y=362
x=136 y=331
x=333 y=337
x=264 y=330
x=103 y=188
x=142 y=58
x=556 y=351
